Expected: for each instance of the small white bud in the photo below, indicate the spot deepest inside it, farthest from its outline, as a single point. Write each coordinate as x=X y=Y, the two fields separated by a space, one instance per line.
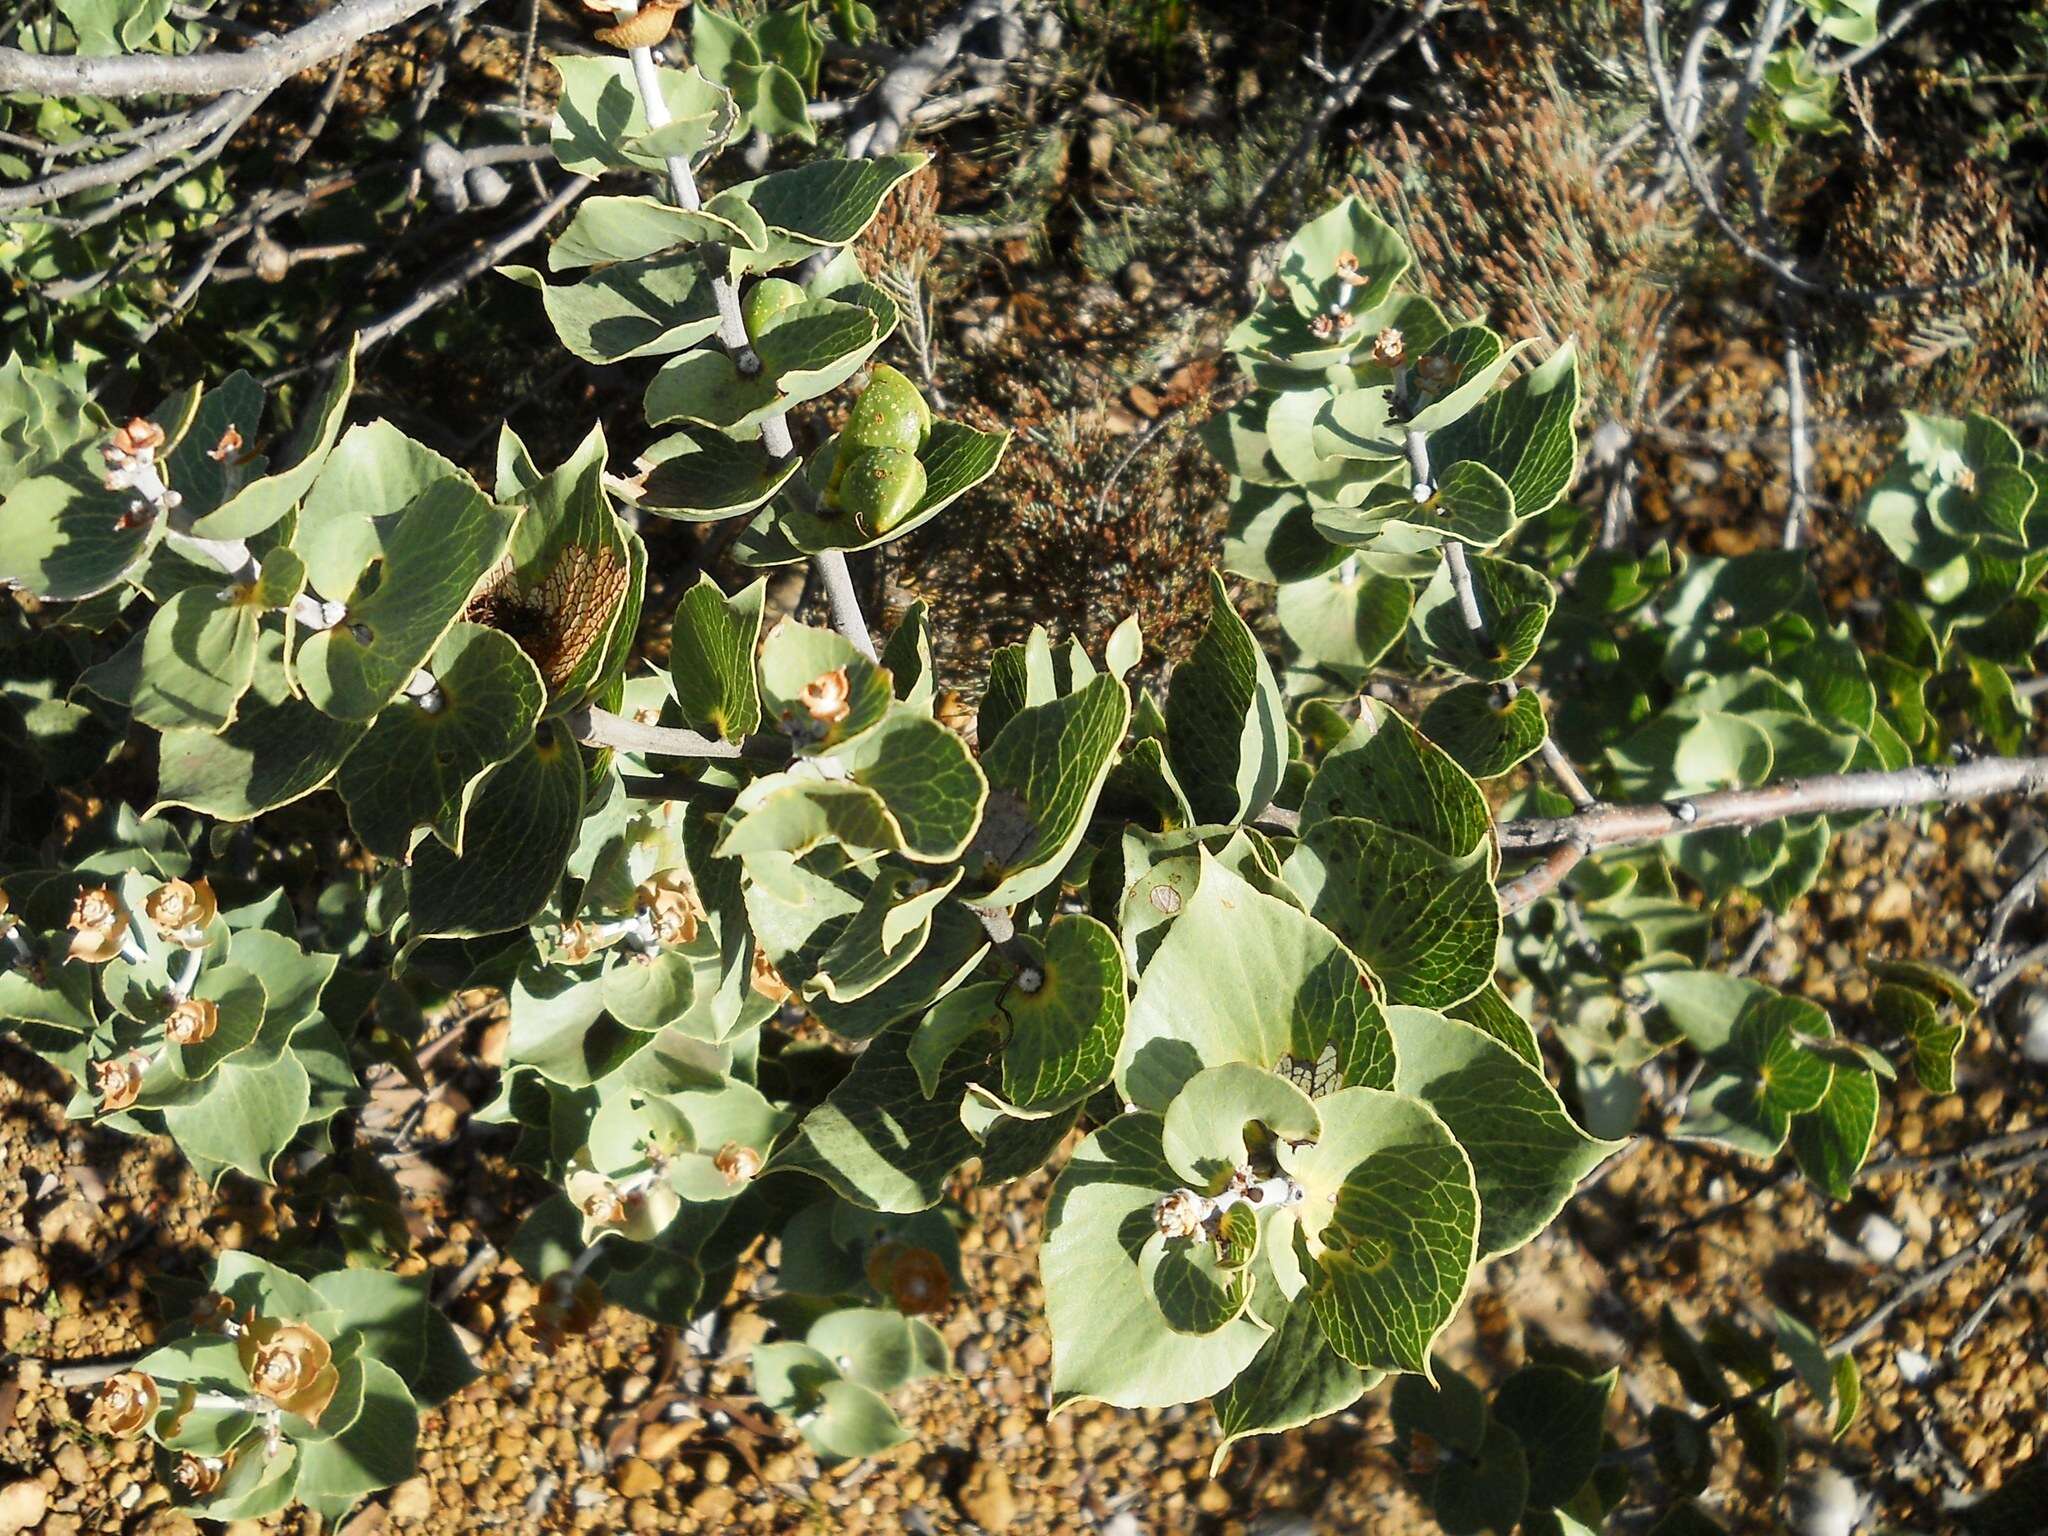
x=2028 y=1012
x=1825 y=1504
x=1878 y=1238
x=487 y=186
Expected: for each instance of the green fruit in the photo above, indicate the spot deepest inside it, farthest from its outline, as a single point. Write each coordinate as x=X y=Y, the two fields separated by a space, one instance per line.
x=890 y=413
x=881 y=487
x=767 y=299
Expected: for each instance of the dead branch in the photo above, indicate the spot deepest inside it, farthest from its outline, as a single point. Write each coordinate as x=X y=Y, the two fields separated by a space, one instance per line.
x=884 y=115
x=260 y=67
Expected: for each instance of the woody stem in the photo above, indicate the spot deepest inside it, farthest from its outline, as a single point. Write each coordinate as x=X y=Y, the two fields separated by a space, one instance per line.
x=830 y=565
x=1459 y=569
x=231 y=1403
x=182 y=987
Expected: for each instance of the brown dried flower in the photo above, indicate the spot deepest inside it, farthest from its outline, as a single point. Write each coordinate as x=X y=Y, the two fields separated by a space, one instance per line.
x=211 y=1313
x=197 y=1476
x=913 y=1278
x=192 y=1021
x=1389 y=348
x=126 y=1402
x=581 y=940
x=290 y=1364
x=644 y=29
x=230 y=442
x=600 y=1200
x=737 y=1161
x=669 y=903
x=118 y=1081
x=828 y=699
x=569 y=1303
x=181 y=911
x=139 y=436
x=99 y=923
x=767 y=980
x=1436 y=372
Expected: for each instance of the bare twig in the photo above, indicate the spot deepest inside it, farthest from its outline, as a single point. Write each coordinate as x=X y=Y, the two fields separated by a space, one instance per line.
x=1620 y=826
x=1799 y=443
x=1131 y=454
x=485 y=1256
x=222 y=120
x=178 y=134
x=2018 y=896
x=601 y=728
x=527 y=45
x=1904 y=19
x=1703 y=187
x=2013 y=970
x=456 y=278
x=1998 y=1293
x=89 y=1373
x=1977 y=1152
x=1919 y=1285
x=1387 y=39
x=885 y=114
x=1927 y=1279
x=1691 y=95
x=258 y=68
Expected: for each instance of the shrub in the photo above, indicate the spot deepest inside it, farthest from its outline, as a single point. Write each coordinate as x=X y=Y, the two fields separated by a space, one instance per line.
x=1257 y=938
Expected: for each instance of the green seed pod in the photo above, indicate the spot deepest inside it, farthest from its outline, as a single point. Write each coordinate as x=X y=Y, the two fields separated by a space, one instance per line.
x=881 y=487
x=890 y=413
x=767 y=299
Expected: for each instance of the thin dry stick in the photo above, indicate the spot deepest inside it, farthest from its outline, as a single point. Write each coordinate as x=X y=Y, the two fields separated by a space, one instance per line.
x=1977 y=1152
x=1799 y=443
x=1898 y=24
x=1927 y=1279
x=2019 y=965
x=1919 y=1285
x=258 y=68
x=1998 y=1293
x=1568 y=838
x=1380 y=45
x=601 y=728
x=887 y=111
x=1703 y=188
x=457 y=278
x=175 y=136
x=220 y=120
x=89 y=1373
x=329 y=98
x=2018 y=896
